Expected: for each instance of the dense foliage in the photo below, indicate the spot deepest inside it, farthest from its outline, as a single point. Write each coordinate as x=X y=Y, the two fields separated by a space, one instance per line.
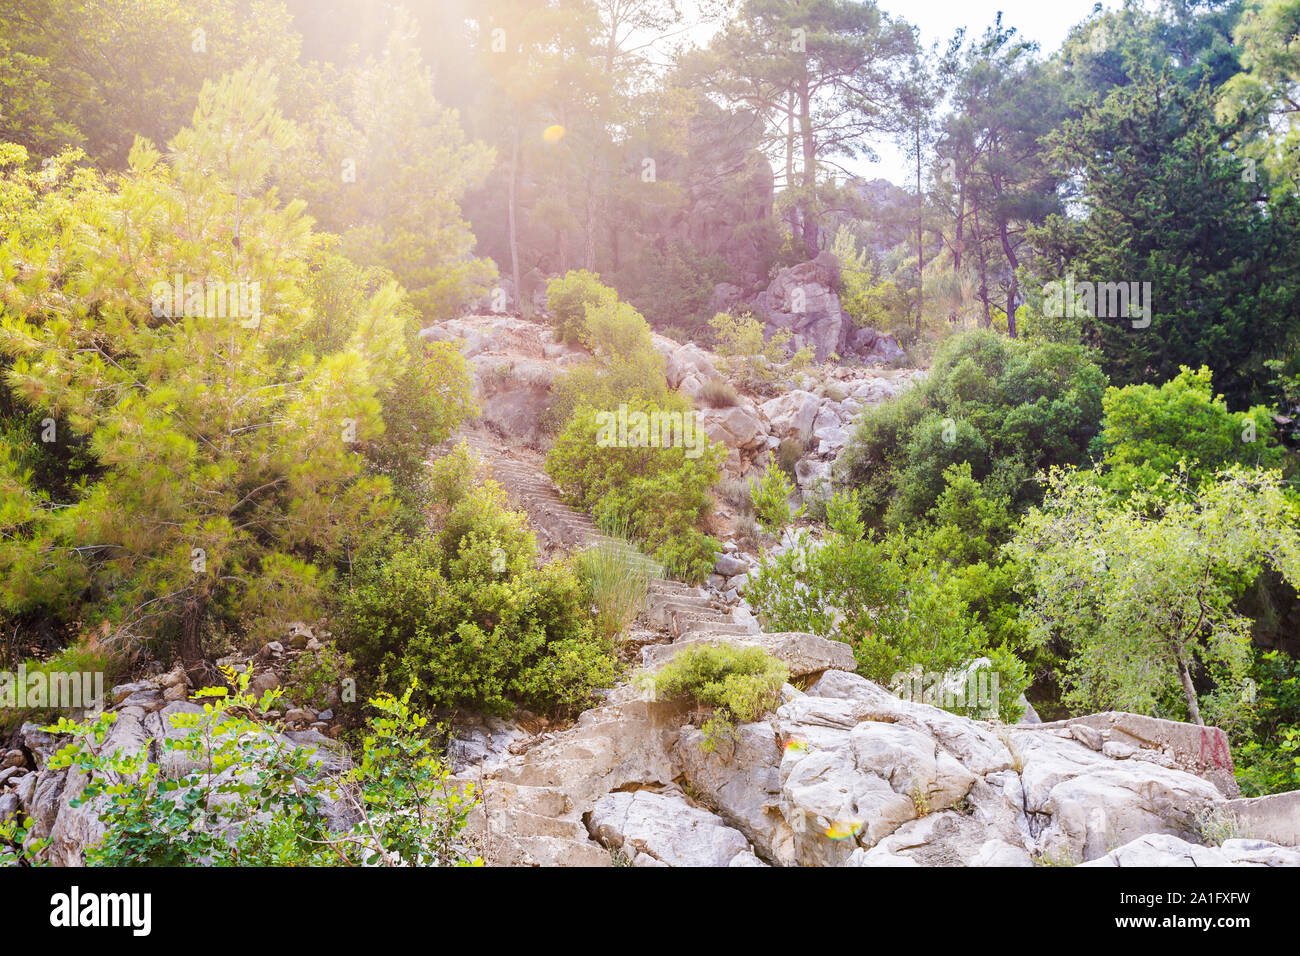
x=465 y=613
x=1009 y=408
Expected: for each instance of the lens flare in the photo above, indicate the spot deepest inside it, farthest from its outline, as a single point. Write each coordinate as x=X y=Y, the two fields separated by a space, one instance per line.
x=553 y=134
x=844 y=829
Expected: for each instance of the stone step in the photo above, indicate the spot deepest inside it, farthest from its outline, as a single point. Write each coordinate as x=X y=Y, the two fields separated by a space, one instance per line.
x=553 y=851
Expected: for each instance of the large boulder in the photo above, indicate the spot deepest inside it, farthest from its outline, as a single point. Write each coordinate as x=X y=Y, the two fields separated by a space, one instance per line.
x=874 y=347
x=801 y=300
x=792 y=414
x=1160 y=849
x=662 y=829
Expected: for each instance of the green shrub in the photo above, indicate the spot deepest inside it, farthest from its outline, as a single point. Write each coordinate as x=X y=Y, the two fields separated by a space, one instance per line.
x=771 y=497
x=750 y=358
x=313 y=676
x=1007 y=407
x=1266 y=751
x=788 y=454
x=1148 y=432
x=465 y=612
x=689 y=555
x=624 y=367
x=569 y=297
x=658 y=494
x=738 y=684
x=893 y=601
x=248 y=782
x=478 y=625
x=85 y=655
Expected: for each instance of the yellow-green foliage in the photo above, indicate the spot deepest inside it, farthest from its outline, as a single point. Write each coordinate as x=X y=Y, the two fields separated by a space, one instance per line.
x=771 y=497
x=231 y=471
x=570 y=296
x=738 y=685
x=659 y=494
x=750 y=359
x=466 y=612
x=656 y=493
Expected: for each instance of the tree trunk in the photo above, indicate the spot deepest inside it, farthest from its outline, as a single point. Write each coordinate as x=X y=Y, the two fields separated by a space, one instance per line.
x=920 y=235
x=191 y=644
x=1013 y=291
x=984 y=269
x=1189 y=691
x=810 y=232
x=589 y=242
x=510 y=208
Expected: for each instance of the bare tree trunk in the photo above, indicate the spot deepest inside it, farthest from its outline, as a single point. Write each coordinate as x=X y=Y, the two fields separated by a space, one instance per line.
x=811 y=245
x=920 y=235
x=1189 y=691
x=1013 y=291
x=589 y=248
x=510 y=206
x=191 y=644
x=984 y=270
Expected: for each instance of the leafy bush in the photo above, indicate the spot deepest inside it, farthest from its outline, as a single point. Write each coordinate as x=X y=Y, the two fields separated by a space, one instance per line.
x=246 y=783
x=466 y=613
x=771 y=497
x=895 y=603
x=748 y=357
x=239 y=771
x=658 y=494
x=738 y=684
x=689 y=555
x=1148 y=433
x=1266 y=753
x=569 y=297
x=1007 y=408
x=313 y=676
x=624 y=367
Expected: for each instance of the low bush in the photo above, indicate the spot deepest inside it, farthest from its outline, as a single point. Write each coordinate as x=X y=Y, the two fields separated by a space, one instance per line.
x=719 y=393
x=771 y=496
x=314 y=679
x=737 y=684
x=750 y=358
x=658 y=494
x=900 y=608
x=248 y=784
x=466 y=613
x=569 y=297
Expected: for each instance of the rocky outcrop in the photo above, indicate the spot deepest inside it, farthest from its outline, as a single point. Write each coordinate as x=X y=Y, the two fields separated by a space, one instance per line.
x=662 y=828
x=1164 y=850
x=847 y=774
x=801 y=300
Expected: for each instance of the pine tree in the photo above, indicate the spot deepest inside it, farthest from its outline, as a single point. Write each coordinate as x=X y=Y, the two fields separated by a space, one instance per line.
x=164 y=319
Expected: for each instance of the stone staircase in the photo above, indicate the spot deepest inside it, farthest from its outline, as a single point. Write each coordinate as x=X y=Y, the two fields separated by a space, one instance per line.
x=531 y=808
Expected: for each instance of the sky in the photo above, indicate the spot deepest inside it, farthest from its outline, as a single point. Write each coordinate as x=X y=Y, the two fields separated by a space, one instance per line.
x=1045 y=21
